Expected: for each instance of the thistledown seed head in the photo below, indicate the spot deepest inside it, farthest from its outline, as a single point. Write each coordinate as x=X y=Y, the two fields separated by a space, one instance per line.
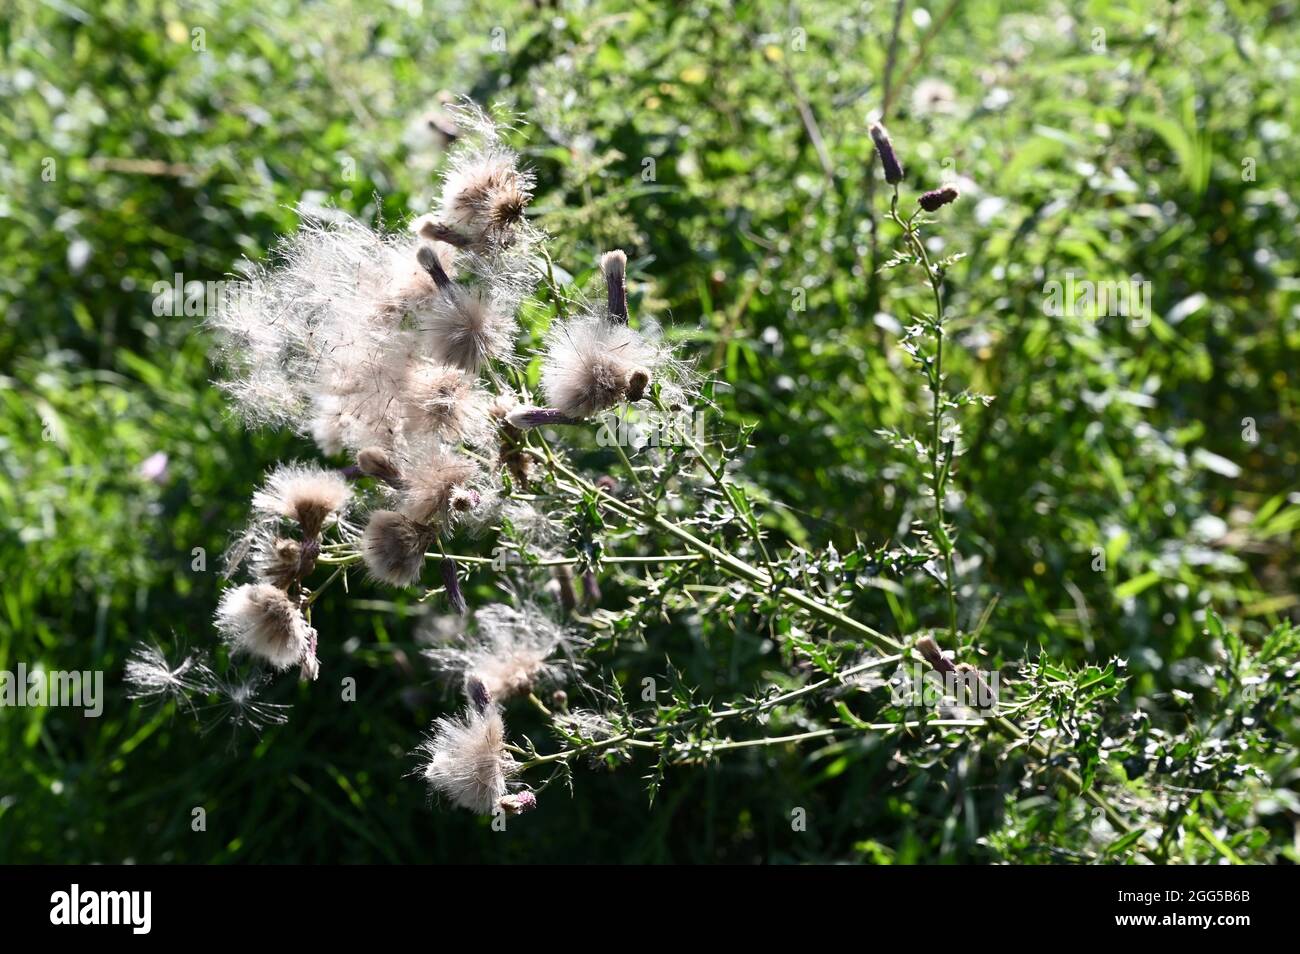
x=465 y=760
x=392 y=547
x=591 y=364
x=262 y=621
x=305 y=493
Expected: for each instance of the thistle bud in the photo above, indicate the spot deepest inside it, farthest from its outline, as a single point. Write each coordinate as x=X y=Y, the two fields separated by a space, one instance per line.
x=933 y=655
x=614 y=265
x=888 y=158
x=518 y=803
x=937 y=198
x=452 y=583
x=428 y=260
x=564 y=583
x=478 y=694
x=525 y=416
x=590 y=589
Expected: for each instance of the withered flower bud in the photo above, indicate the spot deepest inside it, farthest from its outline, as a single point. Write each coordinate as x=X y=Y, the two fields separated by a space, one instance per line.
x=937 y=198
x=888 y=158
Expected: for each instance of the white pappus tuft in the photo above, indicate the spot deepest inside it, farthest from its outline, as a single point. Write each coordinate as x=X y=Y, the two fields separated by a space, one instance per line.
x=149 y=675
x=262 y=621
x=590 y=364
x=466 y=760
x=510 y=651
x=306 y=493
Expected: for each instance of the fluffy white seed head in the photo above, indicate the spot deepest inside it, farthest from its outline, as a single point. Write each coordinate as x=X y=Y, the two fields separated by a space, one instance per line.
x=444 y=401
x=484 y=193
x=467 y=327
x=392 y=547
x=466 y=761
x=305 y=493
x=432 y=486
x=277 y=560
x=510 y=652
x=262 y=621
x=591 y=364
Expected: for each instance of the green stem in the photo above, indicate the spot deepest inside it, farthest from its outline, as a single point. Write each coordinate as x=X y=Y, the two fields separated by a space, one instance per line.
x=828 y=614
x=938 y=475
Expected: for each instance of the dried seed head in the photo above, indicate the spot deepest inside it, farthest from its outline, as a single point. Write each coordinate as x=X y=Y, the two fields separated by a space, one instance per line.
x=377 y=462
x=592 y=365
x=261 y=620
x=278 y=561
x=484 y=195
x=149 y=675
x=430 y=486
x=393 y=546
x=468 y=327
x=466 y=760
x=443 y=401
x=888 y=158
x=509 y=652
x=305 y=493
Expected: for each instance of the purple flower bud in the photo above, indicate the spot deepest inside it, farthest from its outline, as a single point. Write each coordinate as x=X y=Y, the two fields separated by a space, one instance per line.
x=526 y=416
x=614 y=265
x=888 y=158
x=428 y=260
x=590 y=589
x=479 y=697
x=564 y=583
x=929 y=649
x=307 y=555
x=452 y=583
x=518 y=803
x=937 y=198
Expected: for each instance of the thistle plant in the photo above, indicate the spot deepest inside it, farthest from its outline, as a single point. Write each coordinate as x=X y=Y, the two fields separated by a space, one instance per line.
x=474 y=409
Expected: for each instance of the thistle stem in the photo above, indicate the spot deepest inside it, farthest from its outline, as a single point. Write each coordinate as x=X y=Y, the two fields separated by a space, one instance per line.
x=578 y=487
x=938 y=474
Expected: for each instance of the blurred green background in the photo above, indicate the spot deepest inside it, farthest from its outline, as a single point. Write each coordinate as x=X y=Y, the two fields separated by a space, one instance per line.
x=724 y=145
